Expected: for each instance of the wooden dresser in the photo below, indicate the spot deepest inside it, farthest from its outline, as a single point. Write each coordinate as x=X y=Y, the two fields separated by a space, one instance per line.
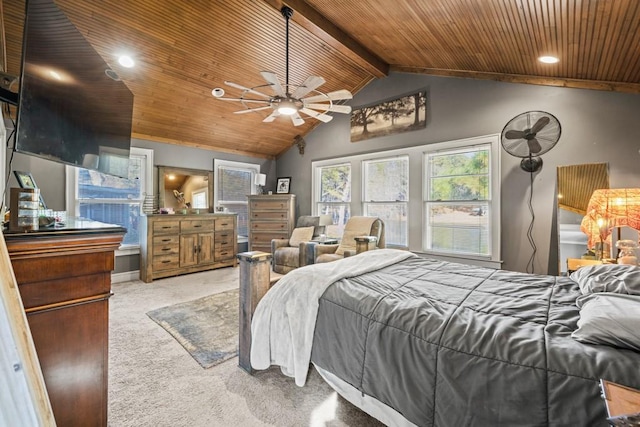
x=64 y=279
x=270 y=217
x=179 y=244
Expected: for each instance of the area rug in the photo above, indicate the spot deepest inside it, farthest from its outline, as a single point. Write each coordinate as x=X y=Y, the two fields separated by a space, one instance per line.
x=206 y=327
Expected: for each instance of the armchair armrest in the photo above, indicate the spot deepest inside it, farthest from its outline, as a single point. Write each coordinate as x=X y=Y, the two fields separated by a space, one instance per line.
x=309 y=251
x=278 y=243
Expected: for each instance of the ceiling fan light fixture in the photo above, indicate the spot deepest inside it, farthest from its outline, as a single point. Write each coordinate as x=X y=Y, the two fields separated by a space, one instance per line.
x=287 y=107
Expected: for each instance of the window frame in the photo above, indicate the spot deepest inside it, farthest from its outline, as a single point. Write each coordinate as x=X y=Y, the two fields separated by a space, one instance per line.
x=73 y=205
x=416 y=192
x=317 y=190
x=493 y=201
x=243 y=166
x=366 y=203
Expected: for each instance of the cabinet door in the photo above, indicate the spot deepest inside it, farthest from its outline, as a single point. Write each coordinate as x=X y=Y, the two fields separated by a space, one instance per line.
x=188 y=250
x=205 y=248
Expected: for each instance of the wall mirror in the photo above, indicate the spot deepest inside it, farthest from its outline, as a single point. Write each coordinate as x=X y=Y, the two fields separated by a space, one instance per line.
x=575 y=185
x=185 y=190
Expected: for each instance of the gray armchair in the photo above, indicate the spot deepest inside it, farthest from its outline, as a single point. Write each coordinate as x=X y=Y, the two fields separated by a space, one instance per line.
x=287 y=254
x=356 y=226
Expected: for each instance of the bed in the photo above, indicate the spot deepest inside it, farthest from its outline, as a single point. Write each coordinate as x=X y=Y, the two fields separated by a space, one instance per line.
x=417 y=341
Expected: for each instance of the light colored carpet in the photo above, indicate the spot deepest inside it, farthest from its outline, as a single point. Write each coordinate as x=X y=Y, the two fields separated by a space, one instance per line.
x=153 y=381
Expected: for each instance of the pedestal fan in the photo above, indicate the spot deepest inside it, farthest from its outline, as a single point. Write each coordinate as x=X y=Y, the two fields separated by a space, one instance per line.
x=528 y=136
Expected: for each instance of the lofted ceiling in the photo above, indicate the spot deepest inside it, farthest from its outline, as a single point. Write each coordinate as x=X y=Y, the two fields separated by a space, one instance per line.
x=185 y=48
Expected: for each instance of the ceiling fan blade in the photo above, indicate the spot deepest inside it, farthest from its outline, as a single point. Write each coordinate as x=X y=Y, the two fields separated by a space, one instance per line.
x=273 y=81
x=320 y=116
x=248 y=89
x=542 y=122
x=271 y=117
x=345 y=109
x=311 y=83
x=296 y=119
x=534 y=146
x=333 y=96
x=261 y=101
x=514 y=134
x=249 y=110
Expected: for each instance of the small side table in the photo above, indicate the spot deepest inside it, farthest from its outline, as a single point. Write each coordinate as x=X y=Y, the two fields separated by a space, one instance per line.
x=623 y=404
x=327 y=241
x=575 y=263
x=365 y=243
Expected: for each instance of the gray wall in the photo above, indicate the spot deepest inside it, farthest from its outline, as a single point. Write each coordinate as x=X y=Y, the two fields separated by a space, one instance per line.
x=597 y=126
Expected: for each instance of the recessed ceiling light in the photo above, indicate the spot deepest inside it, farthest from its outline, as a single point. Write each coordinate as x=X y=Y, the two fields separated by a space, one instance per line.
x=126 y=61
x=55 y=75
x=548 y=59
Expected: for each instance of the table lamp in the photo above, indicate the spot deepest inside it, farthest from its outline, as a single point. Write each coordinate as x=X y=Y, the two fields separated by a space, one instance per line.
x=260 y=180
x=608 y=208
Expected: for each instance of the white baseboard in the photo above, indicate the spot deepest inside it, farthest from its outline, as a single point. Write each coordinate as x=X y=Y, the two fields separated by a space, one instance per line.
x=125 y=276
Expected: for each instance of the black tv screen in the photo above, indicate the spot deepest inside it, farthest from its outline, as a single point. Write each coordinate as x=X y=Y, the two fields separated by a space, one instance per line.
x=69 y=109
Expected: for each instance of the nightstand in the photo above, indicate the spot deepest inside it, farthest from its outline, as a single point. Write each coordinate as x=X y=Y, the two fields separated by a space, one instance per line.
x=575 y=263
x=623 y=404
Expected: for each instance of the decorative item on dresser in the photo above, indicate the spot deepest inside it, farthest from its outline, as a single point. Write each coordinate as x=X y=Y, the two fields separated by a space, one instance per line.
x=179 y=244
x=270 y=217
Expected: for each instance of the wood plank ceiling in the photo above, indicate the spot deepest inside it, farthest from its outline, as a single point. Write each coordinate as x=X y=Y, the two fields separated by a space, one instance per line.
x=183 y=49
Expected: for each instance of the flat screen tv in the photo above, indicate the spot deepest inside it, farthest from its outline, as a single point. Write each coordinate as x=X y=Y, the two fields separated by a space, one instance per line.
x=69 y=109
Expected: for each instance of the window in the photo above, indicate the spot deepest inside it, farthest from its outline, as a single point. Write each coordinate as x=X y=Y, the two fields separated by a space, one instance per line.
x=386 y=195
x=450 y=211
x=458 y=201
x=110 y=199
x=334 y=192
x=233 y=182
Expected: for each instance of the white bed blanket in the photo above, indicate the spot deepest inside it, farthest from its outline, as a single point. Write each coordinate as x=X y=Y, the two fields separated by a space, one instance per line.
x=285 y=319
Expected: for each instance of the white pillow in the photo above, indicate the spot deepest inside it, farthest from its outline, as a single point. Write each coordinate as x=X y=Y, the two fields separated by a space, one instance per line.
x=301 y=234
x=609 y=319
x=619 y=278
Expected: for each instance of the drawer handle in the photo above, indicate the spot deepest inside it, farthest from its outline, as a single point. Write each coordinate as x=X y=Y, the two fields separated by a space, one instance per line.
x=166 y=226
x=224 y=243
x=166 y=249
x=224 y=235
x=166 y=240
x=166 y=262
x=197 y=225
x=223 y=253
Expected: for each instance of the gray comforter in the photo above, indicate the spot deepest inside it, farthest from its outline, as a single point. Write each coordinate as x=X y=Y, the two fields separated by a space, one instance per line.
x=455 y=345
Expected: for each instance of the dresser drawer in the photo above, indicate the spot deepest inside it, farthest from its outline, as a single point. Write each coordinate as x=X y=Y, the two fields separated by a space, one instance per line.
x=165 y=240
x=282 y=205
x=269 y=215
x=165 y=262
x=224 y=224
x=165 y=227
x=196 y=225
x=224 y=254
x=266 y=238
x=168 y=249
x=257 y=226
x=224 y=239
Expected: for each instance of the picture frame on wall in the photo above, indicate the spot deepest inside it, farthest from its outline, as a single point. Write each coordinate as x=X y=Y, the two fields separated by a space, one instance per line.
x=283 y=185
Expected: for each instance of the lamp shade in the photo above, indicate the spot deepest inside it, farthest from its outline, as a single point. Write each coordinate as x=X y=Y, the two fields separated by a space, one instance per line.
x=608 y=208
x=260 y=179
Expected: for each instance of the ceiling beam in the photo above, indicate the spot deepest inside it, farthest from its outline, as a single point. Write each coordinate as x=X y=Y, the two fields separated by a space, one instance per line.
x=312 y=21
x=521 y=78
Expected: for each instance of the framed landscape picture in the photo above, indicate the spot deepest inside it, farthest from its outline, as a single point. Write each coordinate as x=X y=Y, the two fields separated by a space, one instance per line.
x=397 y=115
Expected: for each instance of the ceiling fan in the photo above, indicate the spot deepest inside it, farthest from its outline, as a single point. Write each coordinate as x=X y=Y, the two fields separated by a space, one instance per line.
x=288 y=99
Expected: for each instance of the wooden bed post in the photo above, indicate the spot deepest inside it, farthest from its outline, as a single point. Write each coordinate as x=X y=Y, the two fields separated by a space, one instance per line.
x=255 y=269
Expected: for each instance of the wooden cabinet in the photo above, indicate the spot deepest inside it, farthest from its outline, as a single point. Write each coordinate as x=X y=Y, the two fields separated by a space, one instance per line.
x=179 y=244
x=270 y=217
x=64 y=279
